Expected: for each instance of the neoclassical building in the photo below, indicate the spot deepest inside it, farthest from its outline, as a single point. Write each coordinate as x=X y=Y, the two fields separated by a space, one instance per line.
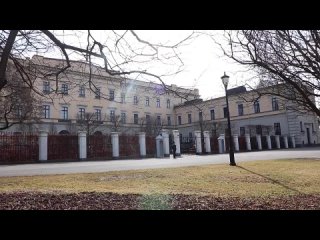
x=91 y=100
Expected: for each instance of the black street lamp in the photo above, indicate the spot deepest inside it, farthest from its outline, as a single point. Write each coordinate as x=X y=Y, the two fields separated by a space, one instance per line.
x=225 y=81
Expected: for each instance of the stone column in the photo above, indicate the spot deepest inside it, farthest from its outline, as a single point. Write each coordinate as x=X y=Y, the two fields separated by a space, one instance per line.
x=82 y=141
x=248 y=142
x=176 y=139
x=258 y=137
x=293 y=141
x=236 y=142
x=197 y=135
x=115 y=144
x=269 y=142
x=166 y=146
x=43 y=146
x=285 y=139
x=159 y=144
x=278 y=141
x=142 y=144
x=222 y=143
x=207 y=141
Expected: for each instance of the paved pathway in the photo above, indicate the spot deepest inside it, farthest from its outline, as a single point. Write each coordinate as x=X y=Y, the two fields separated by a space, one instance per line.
x=185 y=160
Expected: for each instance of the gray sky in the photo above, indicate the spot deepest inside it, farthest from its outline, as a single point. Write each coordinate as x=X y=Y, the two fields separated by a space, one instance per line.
x=204 y=63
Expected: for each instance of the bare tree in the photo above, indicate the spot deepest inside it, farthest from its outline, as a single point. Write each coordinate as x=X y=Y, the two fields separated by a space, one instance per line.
x=121 y=53
x=287 y=63
x=89 y=122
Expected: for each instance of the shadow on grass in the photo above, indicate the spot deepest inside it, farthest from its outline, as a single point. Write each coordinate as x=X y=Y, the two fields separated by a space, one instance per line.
x=272 y=180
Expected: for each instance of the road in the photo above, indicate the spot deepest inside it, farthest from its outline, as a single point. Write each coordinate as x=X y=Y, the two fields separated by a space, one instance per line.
x=184 y=160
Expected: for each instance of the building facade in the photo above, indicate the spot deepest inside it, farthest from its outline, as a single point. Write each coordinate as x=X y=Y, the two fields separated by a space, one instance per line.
x=90 y=100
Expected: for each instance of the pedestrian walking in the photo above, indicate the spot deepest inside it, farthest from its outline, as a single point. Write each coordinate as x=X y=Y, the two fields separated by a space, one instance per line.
x=174 y=148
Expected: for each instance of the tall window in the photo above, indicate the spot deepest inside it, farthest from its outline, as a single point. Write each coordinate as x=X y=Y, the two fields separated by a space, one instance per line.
x=64 y=112
x=135 y=118
x=179 y=120
x=123 y=118
x=98 y=114
x=158 y=120
x=64 y=89
x=275 y=105
x=242 y=131
x=148 y=119
x=189 y=118
x=277 y=129
x=82 y=91
x=212 y=115
x=312 y=127
x=169 y=120
x=82 y=113
x=168 y=103
x=46 y=87
x=123 y=97
x=256 y=107
x=135 y=100
x=158 y=102
x=259 y=129
x=147 y=101
x=225 y=112
x=112 y=115
x=97 y=93
x=46 y=111
x=200 y=116
x=240 y=109
x=111 y=95
x=301 y=127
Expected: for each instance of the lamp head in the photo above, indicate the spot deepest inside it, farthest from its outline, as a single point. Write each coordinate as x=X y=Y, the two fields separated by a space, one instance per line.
x=225 y=80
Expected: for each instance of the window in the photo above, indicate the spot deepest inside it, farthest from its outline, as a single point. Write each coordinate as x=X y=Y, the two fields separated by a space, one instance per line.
x=242 y=131
x=256 y=107
x=301 y=127
x=46 y=87
x=259 y=129
x=158 y=120
x=135 y=100
x=64 y=112
x=225 y=112
x=82 y=91
x=179 y=120
x=190 y=136
x=158 y=102
x=123 y=118
x=147 y=101
x=98 y=114
x=148 y=119
x=212 y=115
x=168 y=103
x=240 y=109
x=111 y=95
x=275 y=105
x=169 y=120
x=200 y=116
x=312 y=127
x=189 y=118
x=64 y=89
x=123 y=97
x=112 y=115
x=135 y=118
x=97 y=93
x=82 y=113
x=277 y=129
x=46 y=111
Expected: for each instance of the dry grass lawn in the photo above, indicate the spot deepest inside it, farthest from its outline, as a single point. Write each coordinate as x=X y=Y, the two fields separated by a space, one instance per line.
x=248 y=179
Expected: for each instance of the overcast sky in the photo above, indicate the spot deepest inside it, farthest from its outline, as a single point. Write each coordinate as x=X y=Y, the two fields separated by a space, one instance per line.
x=204 y=63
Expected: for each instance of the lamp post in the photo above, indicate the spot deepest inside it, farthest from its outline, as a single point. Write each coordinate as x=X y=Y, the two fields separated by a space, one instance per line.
x=225 y=81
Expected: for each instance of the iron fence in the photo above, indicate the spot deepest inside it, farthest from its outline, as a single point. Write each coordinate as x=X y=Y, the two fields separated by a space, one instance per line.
x=99 y=147
x=151 y=146
x=63 y=147
x=129 y=146
x=18 y=148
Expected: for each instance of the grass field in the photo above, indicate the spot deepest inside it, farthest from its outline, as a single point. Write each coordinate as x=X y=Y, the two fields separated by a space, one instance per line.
x=248 y=179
